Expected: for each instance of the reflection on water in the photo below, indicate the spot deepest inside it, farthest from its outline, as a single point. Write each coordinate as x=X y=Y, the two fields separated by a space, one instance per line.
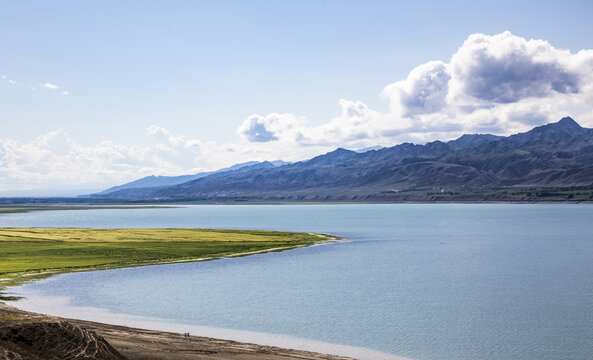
x=418 y=281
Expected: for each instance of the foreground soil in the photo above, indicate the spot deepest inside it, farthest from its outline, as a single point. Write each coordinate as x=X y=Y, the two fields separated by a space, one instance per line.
x=31 y=336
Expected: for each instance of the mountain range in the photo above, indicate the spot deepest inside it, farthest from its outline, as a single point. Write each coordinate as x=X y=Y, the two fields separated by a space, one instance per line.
x=163 y=181
x=552 y=155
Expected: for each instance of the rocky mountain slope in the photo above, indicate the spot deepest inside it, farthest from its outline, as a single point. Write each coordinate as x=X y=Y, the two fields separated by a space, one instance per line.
x=557 y=154
x=156 y=181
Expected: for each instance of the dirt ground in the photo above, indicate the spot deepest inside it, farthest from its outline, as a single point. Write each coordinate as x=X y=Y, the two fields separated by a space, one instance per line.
x=30 y=336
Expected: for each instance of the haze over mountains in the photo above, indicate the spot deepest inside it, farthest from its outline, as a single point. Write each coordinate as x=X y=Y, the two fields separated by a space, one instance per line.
x=556 y=154
x=153 y=181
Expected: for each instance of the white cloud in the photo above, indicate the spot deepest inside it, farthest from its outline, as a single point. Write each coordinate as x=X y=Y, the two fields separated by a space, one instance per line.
x=163 y=135
x=45 y=85
x=272 y=127
x=501 y=84
x=56 y=142
x=49 y=86
x=423 y=91
x=505 y=68
x=498 y=84
x=255 y=128
x=55 y=158
x=356 y=126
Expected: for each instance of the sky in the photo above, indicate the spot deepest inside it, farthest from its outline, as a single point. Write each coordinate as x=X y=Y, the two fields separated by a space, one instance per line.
x=95 y=94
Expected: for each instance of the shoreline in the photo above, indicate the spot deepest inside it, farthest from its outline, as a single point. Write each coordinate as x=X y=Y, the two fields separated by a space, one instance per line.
x=58 y=306
x=25 y=208
x=22 y=278
x=135 y=343
x=13 y=278
x=145 y=340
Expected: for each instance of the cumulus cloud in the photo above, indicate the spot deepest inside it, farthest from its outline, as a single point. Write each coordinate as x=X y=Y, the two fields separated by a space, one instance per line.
x=271 y=127
x=423 y=91
x=356 y=126
x=505 y=68
x=499 y=84
x=55 y=142
x=164 y=135
x=54 y=158
x=255 y=128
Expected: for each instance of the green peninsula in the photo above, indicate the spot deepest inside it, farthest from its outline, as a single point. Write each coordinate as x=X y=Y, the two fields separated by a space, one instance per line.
x=31 y=253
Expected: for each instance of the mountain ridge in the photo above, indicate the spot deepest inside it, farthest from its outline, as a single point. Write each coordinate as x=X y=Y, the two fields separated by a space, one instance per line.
x=163 y=180
x=555 y=154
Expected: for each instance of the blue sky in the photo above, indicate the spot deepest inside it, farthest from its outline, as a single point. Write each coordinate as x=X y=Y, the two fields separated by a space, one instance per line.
x=167 y=87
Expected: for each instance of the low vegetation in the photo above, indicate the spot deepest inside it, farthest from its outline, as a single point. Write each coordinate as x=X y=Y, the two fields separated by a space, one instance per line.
x=519 y=194
x=30 y=253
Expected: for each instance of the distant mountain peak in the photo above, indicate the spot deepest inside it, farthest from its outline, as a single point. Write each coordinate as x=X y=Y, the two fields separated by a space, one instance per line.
x=160 y=180
x=556 y=154
x=332 y=157
x=565 y=125
x=242 y=165
x=471 y=136
x=340 y=151
x=568 y=122
x=472 y=140
x=370 y=148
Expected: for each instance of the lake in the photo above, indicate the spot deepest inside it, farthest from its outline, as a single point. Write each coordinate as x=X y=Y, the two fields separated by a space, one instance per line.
x=420 y=281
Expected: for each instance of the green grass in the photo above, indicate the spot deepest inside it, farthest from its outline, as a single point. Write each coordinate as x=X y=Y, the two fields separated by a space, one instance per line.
x=528 y=194
x=31 y=253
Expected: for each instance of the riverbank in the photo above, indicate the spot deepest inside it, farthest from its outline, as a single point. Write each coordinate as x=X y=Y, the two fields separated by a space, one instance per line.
x=26 y=335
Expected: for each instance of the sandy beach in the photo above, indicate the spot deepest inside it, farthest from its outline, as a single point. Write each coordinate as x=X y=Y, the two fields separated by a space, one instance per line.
x=25 y=335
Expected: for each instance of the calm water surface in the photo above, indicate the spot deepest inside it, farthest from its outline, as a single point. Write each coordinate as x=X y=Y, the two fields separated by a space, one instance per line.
x=420 y=281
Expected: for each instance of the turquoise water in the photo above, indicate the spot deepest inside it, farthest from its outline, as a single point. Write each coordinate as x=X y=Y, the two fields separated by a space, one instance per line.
x=420 y=281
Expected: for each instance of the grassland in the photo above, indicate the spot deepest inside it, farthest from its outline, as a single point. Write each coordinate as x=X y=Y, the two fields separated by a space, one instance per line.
x=504 y=194
x=30 y=253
